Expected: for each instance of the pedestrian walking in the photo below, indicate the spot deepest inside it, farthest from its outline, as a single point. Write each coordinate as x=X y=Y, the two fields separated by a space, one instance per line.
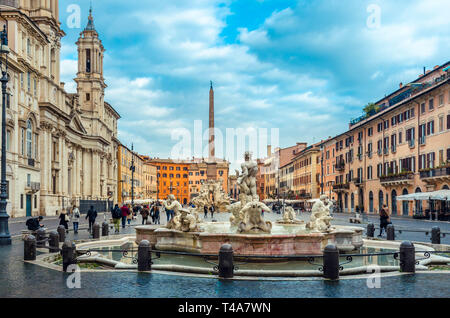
x=116 y=215
x=212 y=209
x=91 y=215
x=64 y=220
x=156 y=215
x=75 y=218
x=205 y=209
x=130 y=216
x=125 y=211
x=384 y=219
x=144 y=213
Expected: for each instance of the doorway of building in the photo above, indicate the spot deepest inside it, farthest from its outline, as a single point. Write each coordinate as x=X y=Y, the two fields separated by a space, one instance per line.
x=405 y=203
x=371 y=202
x=28 y=205
x=394 y=202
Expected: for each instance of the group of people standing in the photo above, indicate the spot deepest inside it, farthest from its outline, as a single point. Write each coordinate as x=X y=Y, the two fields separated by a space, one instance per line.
x=211 y=209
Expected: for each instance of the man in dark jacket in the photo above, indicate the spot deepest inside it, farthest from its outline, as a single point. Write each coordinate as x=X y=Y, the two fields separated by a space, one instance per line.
x=91 y=215
x=33 y=224
x=116 y=214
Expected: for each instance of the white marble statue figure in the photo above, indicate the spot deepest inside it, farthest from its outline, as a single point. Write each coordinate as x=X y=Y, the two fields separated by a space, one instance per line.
x=253 y=220
x=183 y=219
x=211 y=193
x=289 y=216
x=246 y=180
x=320 y=216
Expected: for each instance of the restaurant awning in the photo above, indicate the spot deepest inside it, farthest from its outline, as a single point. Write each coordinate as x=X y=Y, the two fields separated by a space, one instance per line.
x=441 y=195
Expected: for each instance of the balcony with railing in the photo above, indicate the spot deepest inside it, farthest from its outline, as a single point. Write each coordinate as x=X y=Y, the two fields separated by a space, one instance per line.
x=411 y=143
x=397 y=179
x=434 y=175
x=341 y=187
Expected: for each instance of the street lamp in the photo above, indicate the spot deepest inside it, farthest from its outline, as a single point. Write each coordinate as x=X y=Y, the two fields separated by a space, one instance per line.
x=132 y=168
x=5 y=236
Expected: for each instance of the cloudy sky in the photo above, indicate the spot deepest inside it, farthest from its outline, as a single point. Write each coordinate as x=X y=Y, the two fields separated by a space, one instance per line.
x=304 y=67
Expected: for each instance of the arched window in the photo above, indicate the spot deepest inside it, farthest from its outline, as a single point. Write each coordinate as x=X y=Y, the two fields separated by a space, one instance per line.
x=405 y=204
x=394 y=202
x=371 y=202
x=418 y=203
x=380 y=200
x=29 y=139
x=445 y=187
x=352 y=202
x=346 y=202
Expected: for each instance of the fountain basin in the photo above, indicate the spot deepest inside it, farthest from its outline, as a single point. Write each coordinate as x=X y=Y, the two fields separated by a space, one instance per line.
x=285 y=240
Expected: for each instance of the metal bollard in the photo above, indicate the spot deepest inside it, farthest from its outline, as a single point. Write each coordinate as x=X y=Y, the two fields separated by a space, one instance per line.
x=144 y=256
x=53 y=241
x=331 y=262
x=68 y=254
x=390 y=233
x=96 y=231
x=407 y=257
x=436 y=235
x=40 y=237
x=29 y=248
x=62 y=233
x=226 y=262
x=105 y=229
x=370 y=230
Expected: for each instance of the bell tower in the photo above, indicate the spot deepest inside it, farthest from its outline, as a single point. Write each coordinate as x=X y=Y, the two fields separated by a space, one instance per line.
x=90 y=82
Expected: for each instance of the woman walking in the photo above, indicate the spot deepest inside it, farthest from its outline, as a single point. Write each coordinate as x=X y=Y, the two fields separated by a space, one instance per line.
x=64 y=219
x=75 y=219
x=130 y=216
x=384 y=219
x=205 y=209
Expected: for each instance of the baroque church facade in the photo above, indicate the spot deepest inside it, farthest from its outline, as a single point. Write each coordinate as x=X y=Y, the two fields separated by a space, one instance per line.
x=61 y=147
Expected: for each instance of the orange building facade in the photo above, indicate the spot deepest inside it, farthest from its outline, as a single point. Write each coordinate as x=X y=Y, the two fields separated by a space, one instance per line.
x=172 y=178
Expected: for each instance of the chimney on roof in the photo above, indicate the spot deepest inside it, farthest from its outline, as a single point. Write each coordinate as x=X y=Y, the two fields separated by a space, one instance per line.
x=437 y=66
x=424 y=70
x=400 y=85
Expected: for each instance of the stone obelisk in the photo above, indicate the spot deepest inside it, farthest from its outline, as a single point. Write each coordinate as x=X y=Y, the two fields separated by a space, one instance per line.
x=211 y=124
x=211 y=170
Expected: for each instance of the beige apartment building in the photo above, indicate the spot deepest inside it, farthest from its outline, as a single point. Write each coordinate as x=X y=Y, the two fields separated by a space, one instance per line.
x=306 y=173
x=61 y=148
x=402 y=148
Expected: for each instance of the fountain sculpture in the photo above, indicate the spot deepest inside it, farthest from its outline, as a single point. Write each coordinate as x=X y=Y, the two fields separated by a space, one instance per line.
x=320 y=216
x=184 y=220
x=250 y=218
x=211 y=193
x=289 y=216
x=247 y=231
